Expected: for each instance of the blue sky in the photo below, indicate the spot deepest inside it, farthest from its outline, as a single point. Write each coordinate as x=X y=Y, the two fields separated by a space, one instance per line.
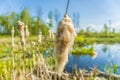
x=92 y=12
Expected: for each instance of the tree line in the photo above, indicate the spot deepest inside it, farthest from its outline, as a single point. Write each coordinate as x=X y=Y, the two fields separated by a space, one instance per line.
x=35 y=23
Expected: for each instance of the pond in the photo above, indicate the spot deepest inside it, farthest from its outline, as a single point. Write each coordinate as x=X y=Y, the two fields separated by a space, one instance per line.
x=107 y=59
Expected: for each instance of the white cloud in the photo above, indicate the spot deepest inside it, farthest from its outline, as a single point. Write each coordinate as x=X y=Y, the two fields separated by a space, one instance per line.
x=98 y=28
x=92 y=27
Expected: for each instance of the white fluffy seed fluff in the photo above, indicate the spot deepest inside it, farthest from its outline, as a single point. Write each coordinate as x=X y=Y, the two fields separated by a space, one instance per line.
x=64 y=40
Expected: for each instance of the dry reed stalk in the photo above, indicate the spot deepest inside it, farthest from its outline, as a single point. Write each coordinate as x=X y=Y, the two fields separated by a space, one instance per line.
x=12 y=32
x=40 y=37
x=13 y=66
x=27 y=33
x=13 y=57
x=51 y=35
x=31 y=69
x=49 y=32
x=21 y=27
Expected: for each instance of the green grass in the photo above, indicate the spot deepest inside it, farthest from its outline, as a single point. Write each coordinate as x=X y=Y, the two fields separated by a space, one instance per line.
x=32 y=52
x=83 y=51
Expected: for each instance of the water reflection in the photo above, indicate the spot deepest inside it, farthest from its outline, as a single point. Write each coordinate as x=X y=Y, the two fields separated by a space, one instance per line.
x=107 y=57
x=105 y=48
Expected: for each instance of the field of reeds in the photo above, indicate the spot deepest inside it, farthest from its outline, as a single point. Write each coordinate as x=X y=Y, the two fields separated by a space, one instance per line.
x=37 y=61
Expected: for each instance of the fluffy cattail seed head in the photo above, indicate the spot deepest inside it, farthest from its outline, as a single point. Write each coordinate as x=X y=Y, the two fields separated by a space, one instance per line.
x=64 y=40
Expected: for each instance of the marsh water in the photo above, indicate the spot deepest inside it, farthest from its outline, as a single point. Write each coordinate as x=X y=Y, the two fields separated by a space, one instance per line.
x=107 y=59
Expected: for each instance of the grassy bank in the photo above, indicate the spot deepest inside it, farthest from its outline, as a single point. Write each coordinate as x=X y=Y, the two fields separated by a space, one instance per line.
x=13 y=64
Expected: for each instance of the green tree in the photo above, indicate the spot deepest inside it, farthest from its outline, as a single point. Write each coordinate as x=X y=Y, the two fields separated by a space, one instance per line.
x=25 y=16
x=50 y=17
x=105 y=28
x=44 y=29
x=113 y=30
x=5 y=22
x=37 y=25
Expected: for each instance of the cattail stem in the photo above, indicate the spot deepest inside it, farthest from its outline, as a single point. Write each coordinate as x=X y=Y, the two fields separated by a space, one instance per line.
x=13 y=65
x=21 y=27
x=26 y=31
x=67 y=7
x=50 y=34
x=23 y=50
x=40 y=37
x=13 y=58
x=12 y=32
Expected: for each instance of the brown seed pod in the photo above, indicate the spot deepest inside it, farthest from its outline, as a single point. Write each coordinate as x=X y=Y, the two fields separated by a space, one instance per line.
x=64 y=41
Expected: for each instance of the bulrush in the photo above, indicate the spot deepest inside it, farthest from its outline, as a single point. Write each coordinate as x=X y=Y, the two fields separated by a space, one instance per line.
x=64 y=40
x=51 y=35
x=49 y=32
x=40 y=37
x=12 y=33
x=27 y=33
x=20 y=27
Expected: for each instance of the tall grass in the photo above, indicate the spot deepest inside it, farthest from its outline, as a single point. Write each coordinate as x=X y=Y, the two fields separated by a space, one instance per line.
x=13 y=64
